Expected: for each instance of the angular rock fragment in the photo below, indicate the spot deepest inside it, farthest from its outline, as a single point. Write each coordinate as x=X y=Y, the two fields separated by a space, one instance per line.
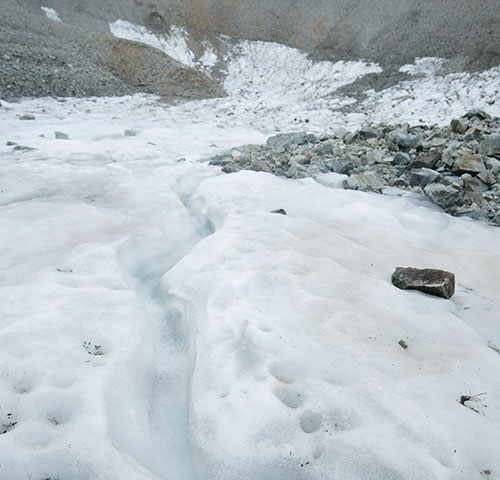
x=425 y=160
x=428 y=280
x=458 y=126
x=490 y=146
x=443 y=195
x=472 y=163
x=402 y=139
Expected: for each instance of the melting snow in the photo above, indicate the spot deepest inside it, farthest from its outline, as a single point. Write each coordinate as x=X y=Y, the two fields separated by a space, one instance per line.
x=52 y=14
x=159 y=323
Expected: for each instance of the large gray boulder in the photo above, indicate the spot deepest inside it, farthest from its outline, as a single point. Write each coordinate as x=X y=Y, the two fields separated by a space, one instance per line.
x=428 y=280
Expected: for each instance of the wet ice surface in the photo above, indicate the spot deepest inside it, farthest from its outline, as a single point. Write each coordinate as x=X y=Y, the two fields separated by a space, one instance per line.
x=157 y=322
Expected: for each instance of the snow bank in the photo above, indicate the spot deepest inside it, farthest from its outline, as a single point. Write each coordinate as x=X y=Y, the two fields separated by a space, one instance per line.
x=299 y=372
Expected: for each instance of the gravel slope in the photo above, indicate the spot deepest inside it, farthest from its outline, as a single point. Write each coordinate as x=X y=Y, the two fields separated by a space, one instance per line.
x=43 y=57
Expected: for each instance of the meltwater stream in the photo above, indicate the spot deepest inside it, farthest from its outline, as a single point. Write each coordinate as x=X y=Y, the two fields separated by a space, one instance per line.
x=171 y=455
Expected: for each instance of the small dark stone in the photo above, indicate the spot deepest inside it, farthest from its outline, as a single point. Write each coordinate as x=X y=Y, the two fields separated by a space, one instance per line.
x=281 y=211
x=428 y=280
x=403 y=344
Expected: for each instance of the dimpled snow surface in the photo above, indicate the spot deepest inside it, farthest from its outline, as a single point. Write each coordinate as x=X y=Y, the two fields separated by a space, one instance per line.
x=159 y=323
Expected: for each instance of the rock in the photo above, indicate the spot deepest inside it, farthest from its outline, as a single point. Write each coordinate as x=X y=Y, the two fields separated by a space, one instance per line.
x=428 y=280
x=472 y=163
x=443 y=195
x=61 y=136
x=351 y=183
x=283 y=140
x=338 y=165
x=402 y=139
x=27 y=116
x=371 y=157
x=260 y=166
x=401 y=158
x=368 y=181
x=281 y=211
x=492 y=164
x=458 y=126
x=471 y=211
x=425 y=160
x=368 y=132
x=422 y=176
x=130 y=133
x=474 y=188
x=490 y=146
x=231 y=168
x=475 y=112
x=301 y=159
x=10 y=144
x=23 y=148
x=325 y=148
x=351 y=137
x=403 y=344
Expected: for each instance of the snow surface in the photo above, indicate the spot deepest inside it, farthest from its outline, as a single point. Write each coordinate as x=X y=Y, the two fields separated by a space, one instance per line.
x=157 y=322
x=51 y=14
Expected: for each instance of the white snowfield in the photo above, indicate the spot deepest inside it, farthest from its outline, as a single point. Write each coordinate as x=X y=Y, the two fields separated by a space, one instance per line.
x=157 y=322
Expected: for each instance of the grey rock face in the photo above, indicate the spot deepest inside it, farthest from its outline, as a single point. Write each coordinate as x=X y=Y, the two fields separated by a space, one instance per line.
x=61 y=136
x=428 y=280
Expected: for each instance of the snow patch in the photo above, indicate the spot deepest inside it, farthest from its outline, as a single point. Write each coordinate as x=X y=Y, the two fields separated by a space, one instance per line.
x=174 y=44
x=435 y=98
x=51 y=14
x=424 y=66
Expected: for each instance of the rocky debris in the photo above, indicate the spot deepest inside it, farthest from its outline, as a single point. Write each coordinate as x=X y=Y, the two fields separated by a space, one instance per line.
x=61 y=135
x=81 y=59
x=428 y=280
x=460 y=172
x=149 y=70
x=27 y=116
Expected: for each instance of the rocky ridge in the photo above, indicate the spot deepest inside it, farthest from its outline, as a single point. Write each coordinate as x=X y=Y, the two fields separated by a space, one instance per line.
x=457 y=167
